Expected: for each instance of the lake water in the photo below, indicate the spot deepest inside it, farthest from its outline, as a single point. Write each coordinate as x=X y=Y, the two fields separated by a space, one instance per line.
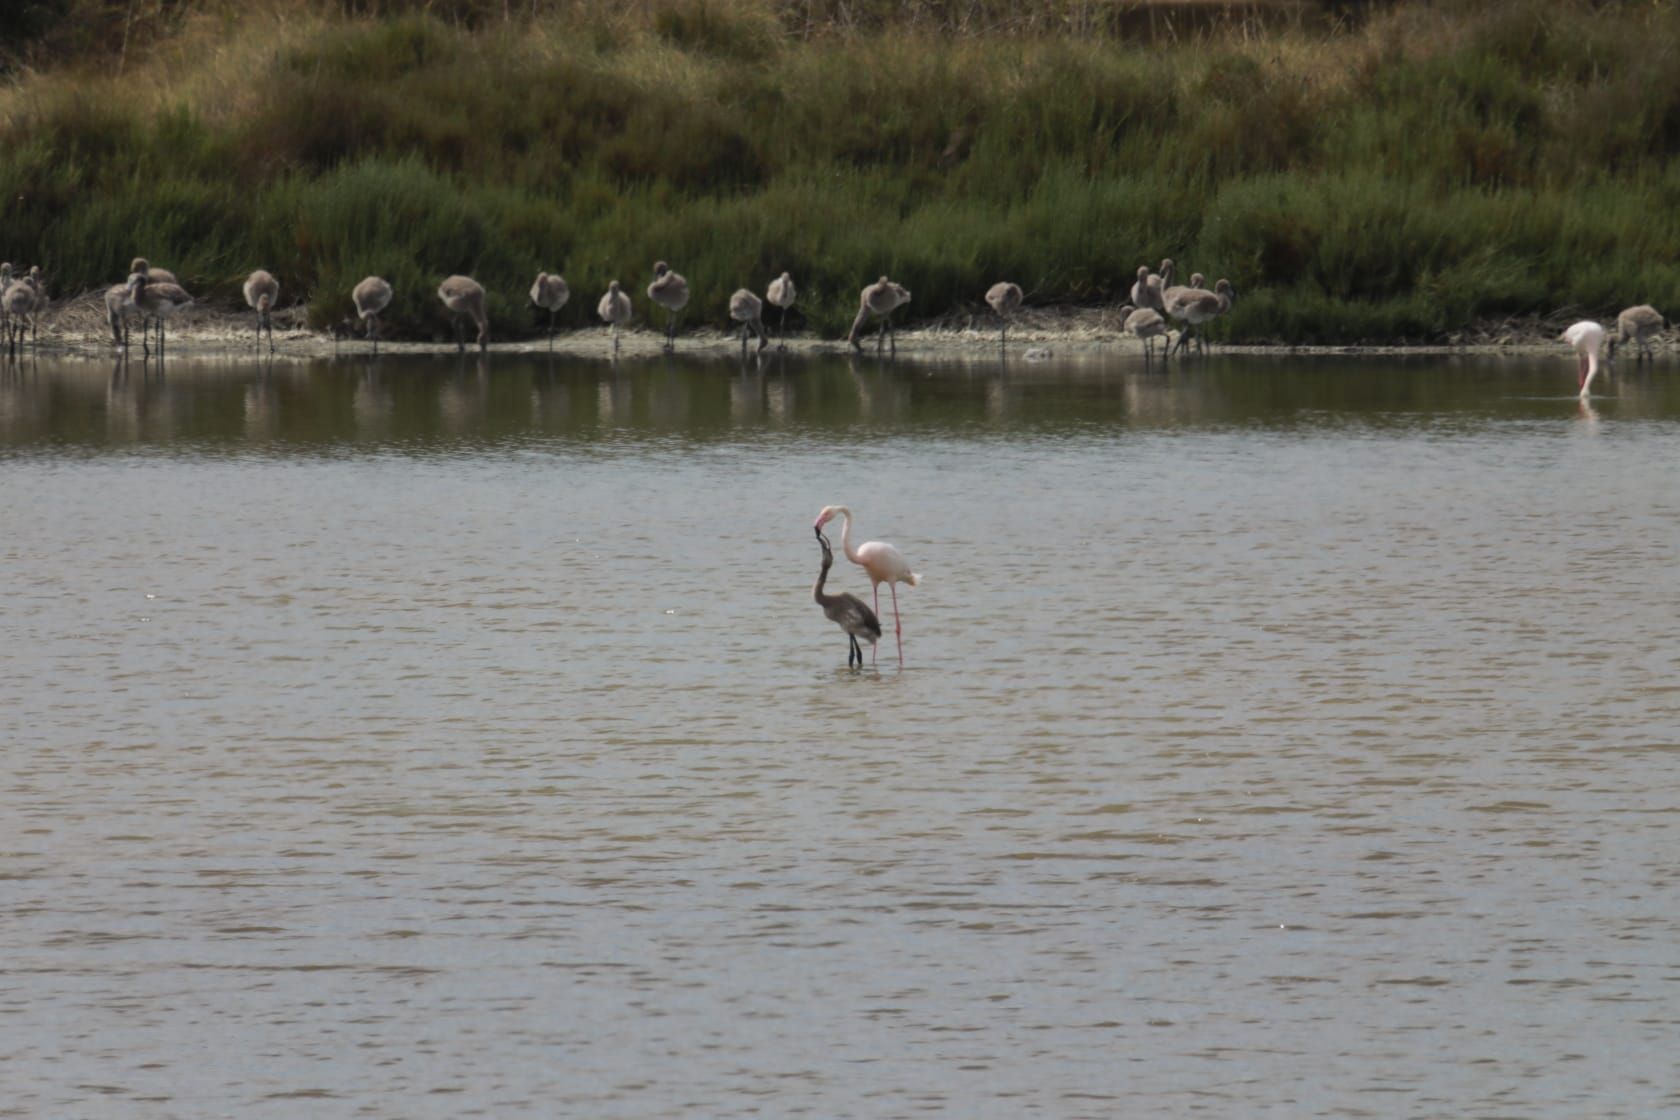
x=1277 y=737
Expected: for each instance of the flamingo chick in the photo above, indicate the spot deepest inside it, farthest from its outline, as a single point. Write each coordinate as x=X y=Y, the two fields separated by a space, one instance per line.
x=1636 y=325
x=748 y=310
x=884 y=563
x=1586 y=337
x=157 y=298
x=464 y=296
x=781 y=293
x=846 y=610
x=1194 y=306
x=879 y=299
x=262 y=291
x=614 y=308
x=670 y=291
x=1144 y=323
x=1005 y=299
x=550 y=292
x=371 y=296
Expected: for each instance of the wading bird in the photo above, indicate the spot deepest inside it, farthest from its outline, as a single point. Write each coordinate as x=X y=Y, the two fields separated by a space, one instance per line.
x=884 y=563
x=371 y=297
x=464 y=296
x=158 y=299
x=879 y=299
x=119 y=305
x=1194 y=306
x=1005 y=299
x=614 y=308
x=1144 y=323
x=1585 y=337
x=846 y=610
x=262 y=291
x=1144 y=295
x=670 y=291
x=550 y=292
x=781 y=293
x=748 y=310
x=19 y=303
x=1636 y=325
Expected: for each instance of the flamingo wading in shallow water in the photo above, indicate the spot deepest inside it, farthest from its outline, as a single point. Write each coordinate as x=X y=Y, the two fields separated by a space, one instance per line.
x=1586 y=337
x=846 y=610
x=884 y=563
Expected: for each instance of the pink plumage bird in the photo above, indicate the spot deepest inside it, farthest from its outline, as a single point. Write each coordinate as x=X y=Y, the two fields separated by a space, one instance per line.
x=1585 y=337
x=884 y=564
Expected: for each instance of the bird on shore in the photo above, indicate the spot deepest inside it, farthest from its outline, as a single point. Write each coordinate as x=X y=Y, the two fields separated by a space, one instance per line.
x=21 y=302
x=1146 y=291
x=5 y=282
x=1636 y=325
x=1005 y=299
x=464 y=297
x=670 y=291
x=550 y=292
x=748 y=310
x=1585 y=338
x=1194 y=306
x=846 y=610
x=262 y=291
x=161 y=275
x=119 y=305
x=883 y=563
x=371 y=297
x=615 y=309
x=879 y=299
x=158 y=299
x=1146 y=324
x=781 y=293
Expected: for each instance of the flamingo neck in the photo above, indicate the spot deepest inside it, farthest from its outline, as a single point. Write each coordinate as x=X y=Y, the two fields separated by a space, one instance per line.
x=846 y=534
x=1589 y=370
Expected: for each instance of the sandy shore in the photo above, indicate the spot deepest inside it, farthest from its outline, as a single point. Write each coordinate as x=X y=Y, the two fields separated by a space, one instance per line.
x=77 y=326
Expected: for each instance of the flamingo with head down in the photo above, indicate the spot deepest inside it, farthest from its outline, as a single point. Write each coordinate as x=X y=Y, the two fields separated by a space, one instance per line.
x=884 y=563
x=1586 y=337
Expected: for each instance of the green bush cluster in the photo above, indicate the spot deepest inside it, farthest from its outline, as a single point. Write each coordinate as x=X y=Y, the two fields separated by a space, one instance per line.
x=1355 y=183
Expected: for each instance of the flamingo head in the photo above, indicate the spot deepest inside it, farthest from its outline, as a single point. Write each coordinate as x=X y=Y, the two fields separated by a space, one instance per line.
x=823 y=518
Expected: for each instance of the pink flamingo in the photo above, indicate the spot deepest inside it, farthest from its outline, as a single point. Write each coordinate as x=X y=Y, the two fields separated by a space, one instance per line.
x=884 y=563
x=1586 y=337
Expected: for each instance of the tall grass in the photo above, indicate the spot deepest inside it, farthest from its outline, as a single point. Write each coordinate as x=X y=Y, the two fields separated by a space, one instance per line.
x=1398 y=176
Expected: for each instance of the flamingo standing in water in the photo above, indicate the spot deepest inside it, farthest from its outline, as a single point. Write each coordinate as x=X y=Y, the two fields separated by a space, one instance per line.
x=847 y=610
x=1586 y=337
x=884 y=563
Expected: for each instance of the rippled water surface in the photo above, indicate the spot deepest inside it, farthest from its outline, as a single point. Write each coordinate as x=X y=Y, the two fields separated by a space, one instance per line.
x=1276 y=737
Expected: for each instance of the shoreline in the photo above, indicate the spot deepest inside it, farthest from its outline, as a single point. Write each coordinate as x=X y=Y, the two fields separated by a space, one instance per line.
x=77 y=327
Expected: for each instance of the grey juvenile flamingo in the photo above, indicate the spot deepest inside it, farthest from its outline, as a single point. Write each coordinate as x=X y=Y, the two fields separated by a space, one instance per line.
x=846 y=610
x=551 y=293
x=879 y=299
x=670 y=291
x=371 y=297
x=1005 y=299
x=262 y=291
x=781 y=293
x=464 y=296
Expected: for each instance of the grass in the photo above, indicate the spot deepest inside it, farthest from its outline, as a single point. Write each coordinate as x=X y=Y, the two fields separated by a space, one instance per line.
x=1394 y=177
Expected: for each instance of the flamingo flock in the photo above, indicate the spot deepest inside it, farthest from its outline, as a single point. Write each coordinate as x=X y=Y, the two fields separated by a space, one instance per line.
x=1157 y=305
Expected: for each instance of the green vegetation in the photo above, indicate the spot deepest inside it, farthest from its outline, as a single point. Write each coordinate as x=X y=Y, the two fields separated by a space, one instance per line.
x=1389 y=173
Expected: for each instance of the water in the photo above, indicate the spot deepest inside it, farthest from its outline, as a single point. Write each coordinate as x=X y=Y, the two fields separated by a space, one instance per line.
x=1280 y=737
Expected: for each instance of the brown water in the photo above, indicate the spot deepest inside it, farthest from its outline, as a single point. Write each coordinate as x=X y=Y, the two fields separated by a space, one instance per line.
x=1277 y=738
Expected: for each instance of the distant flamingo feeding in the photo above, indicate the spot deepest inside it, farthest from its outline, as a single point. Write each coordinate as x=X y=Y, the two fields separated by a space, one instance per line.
x=781 y=293
x=884 y=563
x=849 y=612
x=879 y=299
x=371 y=296
x=1586 y=337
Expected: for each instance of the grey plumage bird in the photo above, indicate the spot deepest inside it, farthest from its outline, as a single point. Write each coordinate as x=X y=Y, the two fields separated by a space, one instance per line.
x=1146 y=324
x=781 y=293
x=1195 y=306
x=1005 y=299
x=845 y=610
x=880 y=300
x=550 y=293
x=262 y=292
x=670 y=291
x=748 y=310
x=464 y=297
x=1637 y=325
x=615 y=310
x=371 y=297
x=157 y=299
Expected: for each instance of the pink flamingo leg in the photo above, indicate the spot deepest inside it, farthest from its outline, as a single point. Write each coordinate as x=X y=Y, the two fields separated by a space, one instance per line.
x=874 y=645
x=897 y=628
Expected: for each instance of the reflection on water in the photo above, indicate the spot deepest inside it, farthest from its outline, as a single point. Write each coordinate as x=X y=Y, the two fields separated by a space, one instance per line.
x=427 y=737
x=342 y=404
